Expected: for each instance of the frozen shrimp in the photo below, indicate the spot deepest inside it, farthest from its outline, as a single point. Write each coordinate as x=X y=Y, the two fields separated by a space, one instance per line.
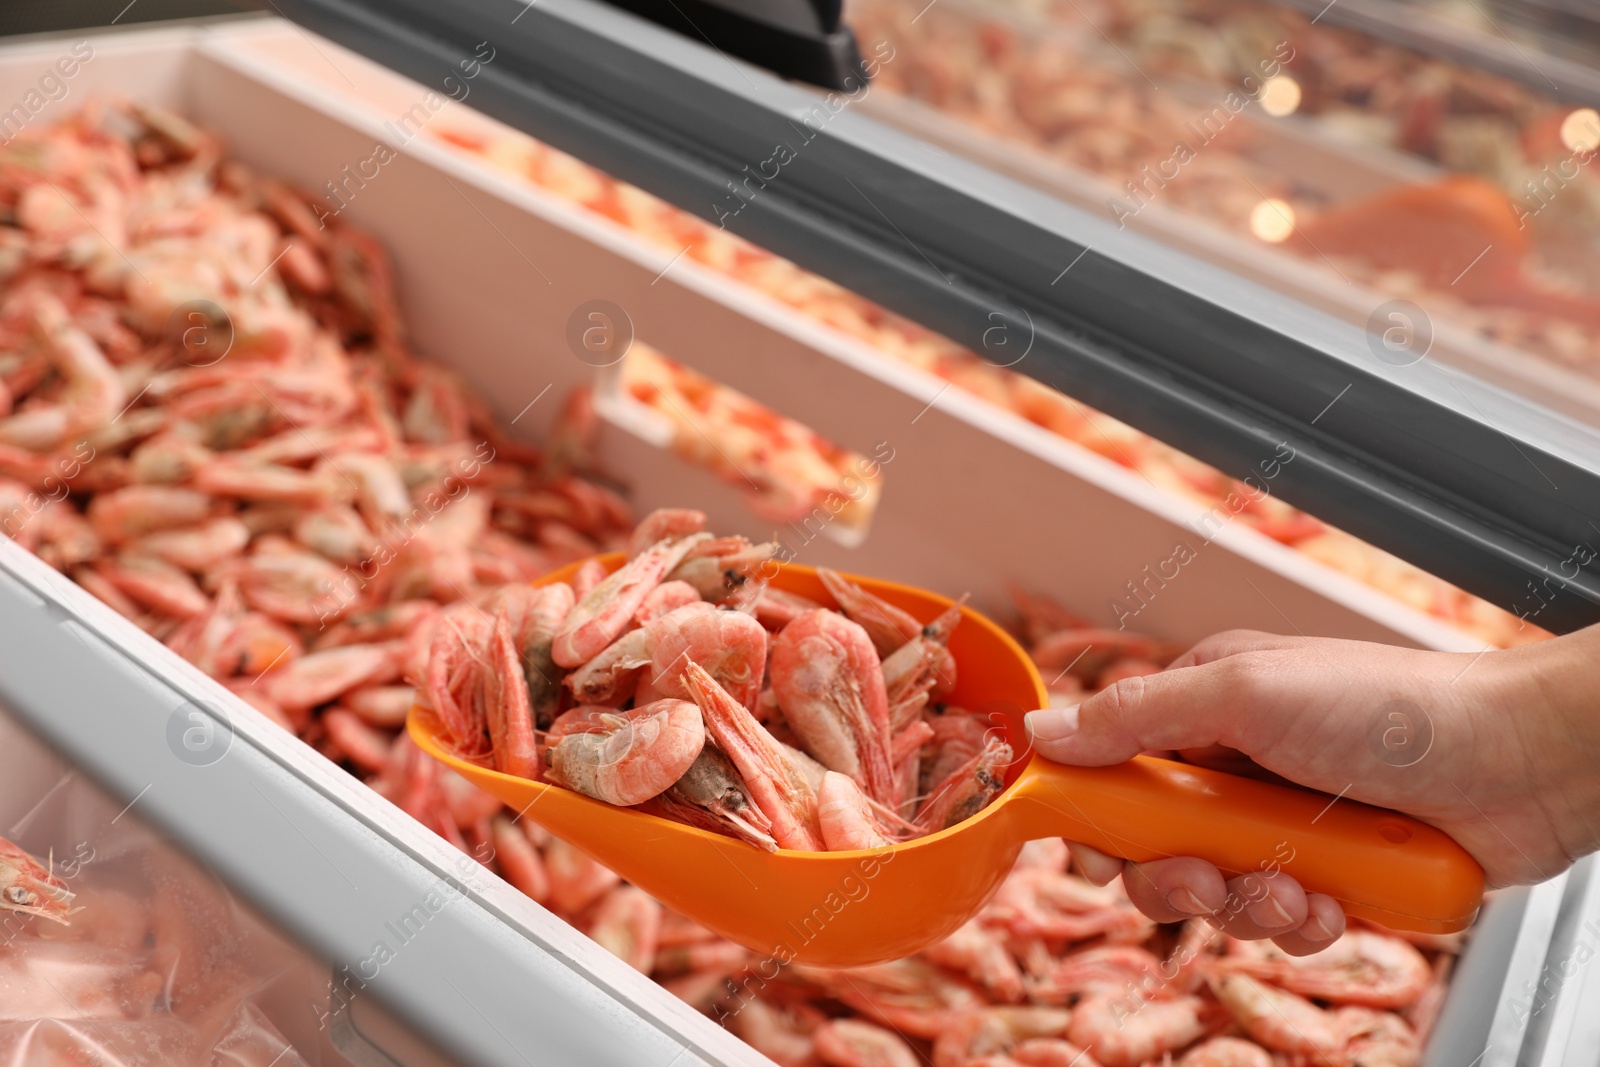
x=664 y=598
x=1109 y=968
x=777 y=608
x=576 y=881
x=611 y=677
x=244 y=480
x=384 y=706
x=156 y=584
x=995 y=1031
x=853 y=1043
x=827 y=680
x=1087 y=652
x=911 y=996
x=783 y=796
x=713 y=796
x=135 y=510
x=715 y=955
x=844 y=817
x=888 y=626
x=520 y=862
x=293 y=587
x=590 y=573
x=1049 y=903
x=664 y=524
x=1226 y=1052
x=1123 y=1031
x=967 y=789
x=546 y=615
x=357 y=741
x=729 y=645
x=981 y=953
x=601 y=616
x=721 y=569
x=196 y=548
x=474 y=682
x=1361 y=967
x=1280 y=1020
x=627 y=923
x=921 y=667
x=507 y=710
x=626 y=758
x=320 y=677
x=29 y=887
x=92 y=392
x=65 y=538
x=337 y=532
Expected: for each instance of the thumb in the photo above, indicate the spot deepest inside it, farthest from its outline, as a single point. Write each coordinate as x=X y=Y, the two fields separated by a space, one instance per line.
x=1190 y=707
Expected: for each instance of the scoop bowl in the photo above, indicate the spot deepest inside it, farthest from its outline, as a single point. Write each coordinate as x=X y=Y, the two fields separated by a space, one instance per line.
x=845 y=909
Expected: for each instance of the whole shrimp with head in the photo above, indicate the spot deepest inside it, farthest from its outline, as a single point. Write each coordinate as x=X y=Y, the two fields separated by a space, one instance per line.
x=90 y=394
x=626 y=757
x=829 y=685
x=30 y=887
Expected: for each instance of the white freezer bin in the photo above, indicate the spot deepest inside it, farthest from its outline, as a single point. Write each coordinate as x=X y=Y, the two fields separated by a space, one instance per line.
x=490 y=272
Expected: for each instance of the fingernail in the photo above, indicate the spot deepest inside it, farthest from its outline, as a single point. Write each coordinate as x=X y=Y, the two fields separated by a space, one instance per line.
x=1269 y=914
x=1314 y=930
x=1185 y=902
x=1052 y=724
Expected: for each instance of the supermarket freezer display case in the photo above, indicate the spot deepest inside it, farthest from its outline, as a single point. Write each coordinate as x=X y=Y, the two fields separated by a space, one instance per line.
x=1076 y=524
x=1483 y=484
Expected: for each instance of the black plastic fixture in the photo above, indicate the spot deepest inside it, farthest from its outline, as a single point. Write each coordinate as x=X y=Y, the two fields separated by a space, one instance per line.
x=802 y=39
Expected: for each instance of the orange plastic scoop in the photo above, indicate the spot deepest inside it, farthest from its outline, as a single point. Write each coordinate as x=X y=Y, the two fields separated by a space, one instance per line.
x=853 y=908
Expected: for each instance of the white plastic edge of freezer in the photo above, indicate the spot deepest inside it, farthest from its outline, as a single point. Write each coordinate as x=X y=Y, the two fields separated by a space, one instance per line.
x=1019 y=486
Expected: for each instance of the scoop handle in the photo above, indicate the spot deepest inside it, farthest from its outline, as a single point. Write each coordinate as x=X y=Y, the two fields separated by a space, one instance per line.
x=1380 y=865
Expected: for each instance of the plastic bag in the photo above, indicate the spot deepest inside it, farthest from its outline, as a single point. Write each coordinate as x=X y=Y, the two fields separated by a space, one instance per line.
x=160 y=966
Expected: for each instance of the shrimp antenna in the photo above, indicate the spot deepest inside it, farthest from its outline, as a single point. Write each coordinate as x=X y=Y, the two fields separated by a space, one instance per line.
x=890 y=815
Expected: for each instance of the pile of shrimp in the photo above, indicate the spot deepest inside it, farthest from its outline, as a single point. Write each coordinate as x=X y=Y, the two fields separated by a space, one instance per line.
x=210 y=419
x=783 y=469
x=1055 y=972
x=298 y=517
x=896 y=337
x=685 y=683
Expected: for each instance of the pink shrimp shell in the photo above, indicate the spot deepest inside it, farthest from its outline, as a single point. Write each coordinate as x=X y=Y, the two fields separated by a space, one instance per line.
x=731 y=646
x=634 y=756
x=844 y=817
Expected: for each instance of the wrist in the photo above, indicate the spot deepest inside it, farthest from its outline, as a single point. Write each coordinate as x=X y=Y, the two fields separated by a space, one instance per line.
x=1552 y=695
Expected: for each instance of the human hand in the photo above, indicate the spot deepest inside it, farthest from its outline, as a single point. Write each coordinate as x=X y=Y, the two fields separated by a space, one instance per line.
x=1501 y=751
